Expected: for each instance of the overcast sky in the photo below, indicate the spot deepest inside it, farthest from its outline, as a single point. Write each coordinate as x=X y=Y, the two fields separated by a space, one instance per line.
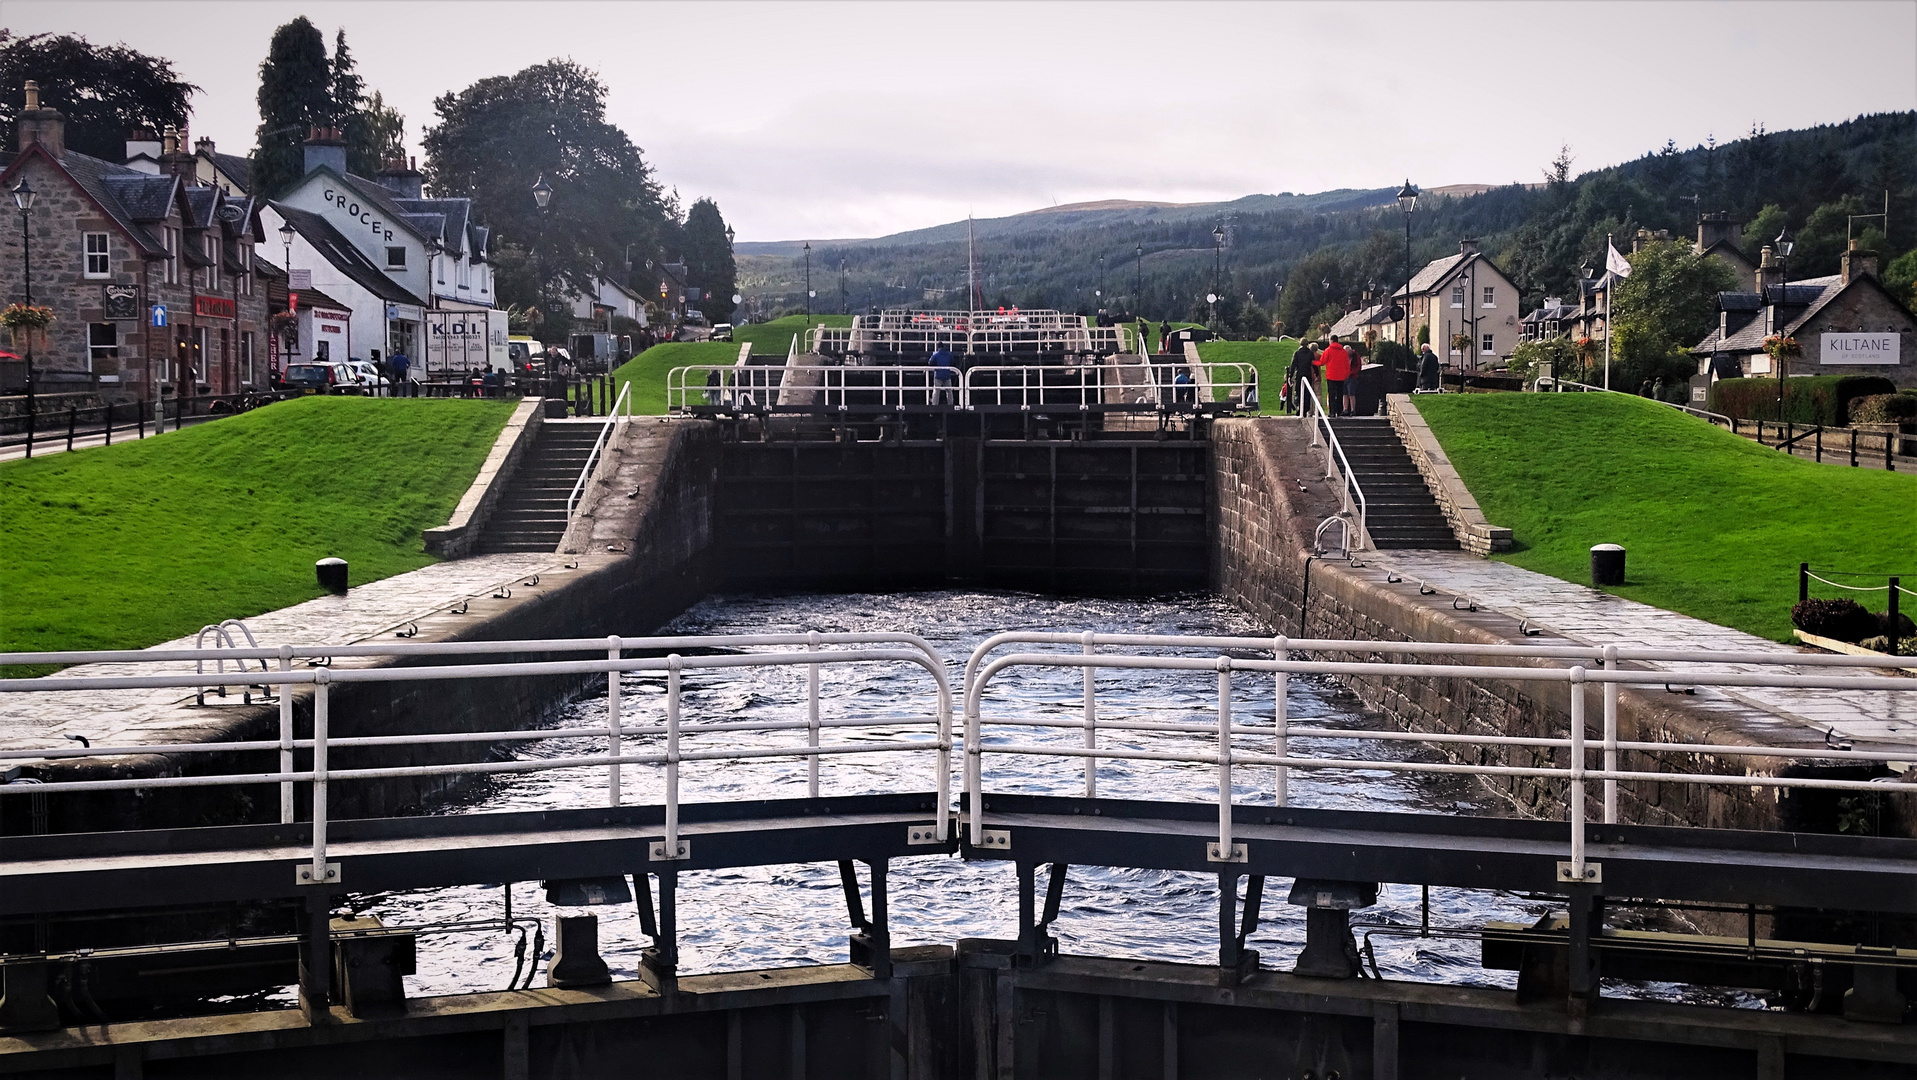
x=822 y=120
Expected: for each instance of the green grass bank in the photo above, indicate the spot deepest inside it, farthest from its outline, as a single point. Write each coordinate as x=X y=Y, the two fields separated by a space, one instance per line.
x=1715 y=524
x=647 y=371
x=129 y=545
x=1269 y=357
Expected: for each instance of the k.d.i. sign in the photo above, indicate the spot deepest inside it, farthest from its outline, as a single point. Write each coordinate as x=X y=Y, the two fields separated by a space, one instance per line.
x=1857 y=348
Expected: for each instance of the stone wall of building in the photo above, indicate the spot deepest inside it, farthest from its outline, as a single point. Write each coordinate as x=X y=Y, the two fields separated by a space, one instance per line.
x=1860 y=309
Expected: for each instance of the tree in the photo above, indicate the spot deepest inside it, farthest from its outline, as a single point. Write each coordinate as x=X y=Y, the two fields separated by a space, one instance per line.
x=295 y=95
x=375 y=136
x=1763 y=227
x=1667 y=305
x=1900 y=277
x=708 y=258
x=500 y=136
x=104 y=90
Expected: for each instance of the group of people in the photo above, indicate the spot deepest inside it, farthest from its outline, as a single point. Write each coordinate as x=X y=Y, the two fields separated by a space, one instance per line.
x=1341 y=364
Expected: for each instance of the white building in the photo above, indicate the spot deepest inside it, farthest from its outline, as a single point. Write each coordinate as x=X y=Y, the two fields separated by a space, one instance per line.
x=414 y=270
x=609 y=298
x=1469 y=306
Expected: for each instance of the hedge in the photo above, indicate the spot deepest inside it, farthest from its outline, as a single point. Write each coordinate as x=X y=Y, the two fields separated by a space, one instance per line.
x=1884 y=409
x=1814 y=399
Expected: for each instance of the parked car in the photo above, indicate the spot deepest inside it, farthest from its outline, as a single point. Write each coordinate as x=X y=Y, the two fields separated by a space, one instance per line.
x=368 y=377
x=722 y=332
x=320 y=377
x=526 y=355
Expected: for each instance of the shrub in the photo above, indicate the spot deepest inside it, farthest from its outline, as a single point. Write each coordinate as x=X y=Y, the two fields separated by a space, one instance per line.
x=1883 y=409
x=1397 y=357
x=1814 y=399
x=1841 y=620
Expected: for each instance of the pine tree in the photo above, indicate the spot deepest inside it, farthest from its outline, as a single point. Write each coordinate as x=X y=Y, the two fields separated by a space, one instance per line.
x=296 y=94
x=709 y=262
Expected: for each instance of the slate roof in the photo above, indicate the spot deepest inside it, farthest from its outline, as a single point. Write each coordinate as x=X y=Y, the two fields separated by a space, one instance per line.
x=236 y=168
x=449 y=216
x=343 y=256
x=318 y=299
x=1797 y=302
x=1560 y=312
x=1434 y=272
x=201 y=202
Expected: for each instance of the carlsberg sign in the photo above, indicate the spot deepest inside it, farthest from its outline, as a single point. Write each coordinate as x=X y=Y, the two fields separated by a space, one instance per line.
x=1857 y=348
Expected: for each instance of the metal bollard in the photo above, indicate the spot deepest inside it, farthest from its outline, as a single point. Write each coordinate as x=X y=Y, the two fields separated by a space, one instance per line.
x=1607 y=565
x=332 y=575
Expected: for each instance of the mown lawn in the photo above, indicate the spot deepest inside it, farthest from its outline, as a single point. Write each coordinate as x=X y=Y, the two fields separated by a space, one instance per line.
x=1715 y=525
x=128 y=545
x=647 y=371
x=1269 y=357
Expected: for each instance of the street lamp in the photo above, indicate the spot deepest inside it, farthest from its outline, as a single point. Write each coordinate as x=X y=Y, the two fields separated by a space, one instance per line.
x=541 y=191
x=1590 y=275
x=23 y=196
x=808 y=281
x=1138 y=276
x=1217 y=254
x=844 y=307
x=1101 y=280
x=1407 y=201
x=1784 y=244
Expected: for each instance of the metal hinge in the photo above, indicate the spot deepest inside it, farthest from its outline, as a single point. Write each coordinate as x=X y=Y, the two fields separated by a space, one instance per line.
x=996 y=839
x=922 y=834
x=1593 y=873
x=657 y=851
x=303 y=874
x=1213 y=853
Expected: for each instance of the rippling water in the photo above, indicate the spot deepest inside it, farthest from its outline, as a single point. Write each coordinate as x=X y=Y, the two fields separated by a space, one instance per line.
x=795 y=914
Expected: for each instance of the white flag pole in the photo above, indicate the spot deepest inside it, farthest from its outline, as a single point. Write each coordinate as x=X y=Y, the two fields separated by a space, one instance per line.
x=1609 y=284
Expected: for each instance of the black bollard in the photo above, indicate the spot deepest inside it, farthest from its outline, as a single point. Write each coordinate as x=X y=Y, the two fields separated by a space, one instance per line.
x=1607 y=565
x=575 y=959
x=332 y=575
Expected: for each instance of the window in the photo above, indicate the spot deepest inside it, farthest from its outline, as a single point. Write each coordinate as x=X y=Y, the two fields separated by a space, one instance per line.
x=103 y=347
x=171 y=238
x=1457 y=295
x=1490 y=296
x=99 y=259
x=1489 y=346
x=395 y=258
x=199 y=354
x=246 y=356
x=439 y=269
x=211 y=247
x=246 y=270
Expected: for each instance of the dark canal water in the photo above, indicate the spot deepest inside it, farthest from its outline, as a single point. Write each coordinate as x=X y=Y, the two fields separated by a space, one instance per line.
x=794 y=914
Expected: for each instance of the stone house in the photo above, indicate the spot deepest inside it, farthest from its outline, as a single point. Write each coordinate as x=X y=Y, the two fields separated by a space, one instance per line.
x=1467 y=296
x=1845 y=324
x=150 y=276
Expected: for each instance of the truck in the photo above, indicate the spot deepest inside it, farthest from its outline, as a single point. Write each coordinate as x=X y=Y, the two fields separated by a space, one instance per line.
x=595 y=353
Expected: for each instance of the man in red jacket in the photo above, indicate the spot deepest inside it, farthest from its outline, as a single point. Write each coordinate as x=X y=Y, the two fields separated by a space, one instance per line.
x=1336 y=361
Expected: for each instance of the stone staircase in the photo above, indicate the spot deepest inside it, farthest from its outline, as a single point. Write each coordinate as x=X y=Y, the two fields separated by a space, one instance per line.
x=1400 y=510
x=531 y=513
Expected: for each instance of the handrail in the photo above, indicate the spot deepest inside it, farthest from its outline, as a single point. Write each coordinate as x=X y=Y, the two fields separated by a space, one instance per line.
x=1086 y=385
x=867 y=648
x=1318 y=419
x=592 y=460
x=982 y=667
x=1586 y=388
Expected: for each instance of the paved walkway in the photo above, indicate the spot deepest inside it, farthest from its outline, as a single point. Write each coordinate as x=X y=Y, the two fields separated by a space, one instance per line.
x=367 y=612
x=1588 y=616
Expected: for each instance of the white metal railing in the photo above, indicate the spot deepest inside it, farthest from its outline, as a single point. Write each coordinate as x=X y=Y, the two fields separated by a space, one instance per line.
x=620 y=412
x=1558 y=386
x=811 y=651
x=1504 y=662
x=1337 y=466
x=733 y=386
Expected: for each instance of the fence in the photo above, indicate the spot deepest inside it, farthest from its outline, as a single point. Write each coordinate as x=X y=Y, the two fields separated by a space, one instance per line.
x=1336 y=468
x=814 y=653
x=1096 y=386
x=1272 y=656
x=123 y=420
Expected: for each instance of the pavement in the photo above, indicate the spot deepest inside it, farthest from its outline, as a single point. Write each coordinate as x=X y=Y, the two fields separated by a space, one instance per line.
x=370 y=612
x=1591 y=617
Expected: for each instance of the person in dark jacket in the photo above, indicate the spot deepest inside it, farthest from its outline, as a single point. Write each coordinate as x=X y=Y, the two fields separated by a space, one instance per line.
x=1429 y=373
x=1296 y=374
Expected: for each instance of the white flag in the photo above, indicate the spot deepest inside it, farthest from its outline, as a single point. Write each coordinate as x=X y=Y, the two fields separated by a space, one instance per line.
x=1615 y=263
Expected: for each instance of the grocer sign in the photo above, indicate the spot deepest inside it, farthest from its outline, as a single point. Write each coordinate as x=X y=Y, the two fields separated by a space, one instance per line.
x=1857 y=348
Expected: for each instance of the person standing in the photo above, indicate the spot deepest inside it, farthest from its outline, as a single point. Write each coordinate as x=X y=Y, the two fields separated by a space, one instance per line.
x=1350 y=407
x=400 y=363
x=943 y=381
x=1302 y=360
x=1430 y=374
x=1336 y=361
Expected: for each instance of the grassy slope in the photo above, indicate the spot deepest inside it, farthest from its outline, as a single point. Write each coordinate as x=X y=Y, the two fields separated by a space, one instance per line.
x=140 y=542
x=647 y=371
x=1269 y=357
x=1715 y=524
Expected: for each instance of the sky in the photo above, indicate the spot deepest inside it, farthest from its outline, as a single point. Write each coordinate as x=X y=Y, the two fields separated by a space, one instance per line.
x=834 y=120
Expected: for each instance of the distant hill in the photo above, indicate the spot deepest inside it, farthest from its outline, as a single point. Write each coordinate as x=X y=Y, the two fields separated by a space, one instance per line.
x=1160 y=259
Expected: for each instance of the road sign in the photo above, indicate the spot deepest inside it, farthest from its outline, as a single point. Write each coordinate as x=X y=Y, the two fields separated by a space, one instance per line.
x=159 y=314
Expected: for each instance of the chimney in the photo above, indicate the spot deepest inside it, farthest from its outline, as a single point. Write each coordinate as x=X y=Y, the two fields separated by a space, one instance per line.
x=143 y=151
x=400 y=178
x=325 y=146
x=1859 y=262
x=174 y=160
x=45 y=127
x=1468 y=245
x=1768 y=274
x=1716 y=228
x=203 y=146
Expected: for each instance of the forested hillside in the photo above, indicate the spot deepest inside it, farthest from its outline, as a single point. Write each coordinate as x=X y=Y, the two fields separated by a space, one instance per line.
x=1325 y=249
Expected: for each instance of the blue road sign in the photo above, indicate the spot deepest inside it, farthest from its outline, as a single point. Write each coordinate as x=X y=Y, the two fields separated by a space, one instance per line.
x=159 y=314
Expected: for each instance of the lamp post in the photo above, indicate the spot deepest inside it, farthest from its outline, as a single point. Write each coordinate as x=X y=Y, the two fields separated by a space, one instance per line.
x=1784 y=243
x=23 y=196
x=287 y=232
x=1590 y=275
x=844 y=305
x=1101 y=281
x=1217 y=254
x=808 y=281
x=1138 y=276
x=1407 y=201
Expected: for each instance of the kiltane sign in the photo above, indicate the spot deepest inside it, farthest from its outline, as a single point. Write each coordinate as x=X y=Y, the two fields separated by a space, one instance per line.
x=213 y=307
x=1857 y=348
